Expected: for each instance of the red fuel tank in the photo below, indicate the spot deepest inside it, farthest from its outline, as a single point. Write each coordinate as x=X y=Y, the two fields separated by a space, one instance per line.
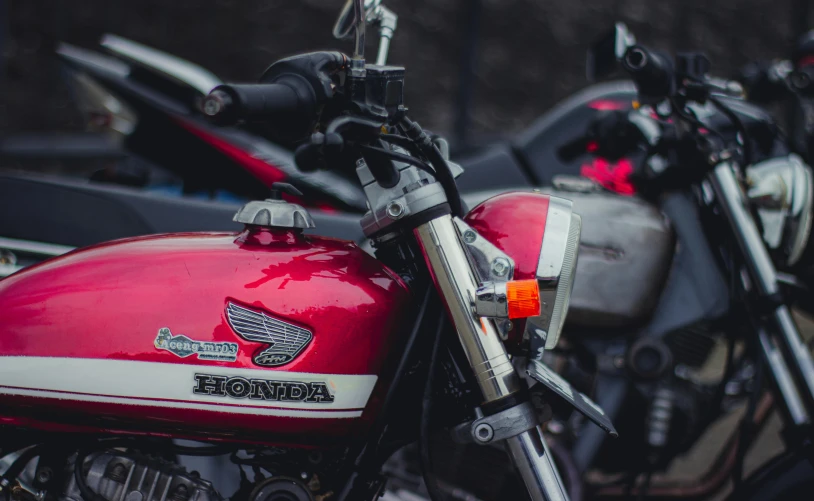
x=267 y=335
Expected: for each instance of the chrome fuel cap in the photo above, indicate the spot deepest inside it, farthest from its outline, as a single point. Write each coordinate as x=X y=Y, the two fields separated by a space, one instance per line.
x=274 y=212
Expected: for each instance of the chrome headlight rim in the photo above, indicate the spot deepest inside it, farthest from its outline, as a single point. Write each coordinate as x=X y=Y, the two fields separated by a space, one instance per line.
x=800 y=217
x=556 y=268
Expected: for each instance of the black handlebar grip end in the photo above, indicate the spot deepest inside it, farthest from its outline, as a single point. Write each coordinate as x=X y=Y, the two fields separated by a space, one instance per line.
x=230 y=103
x=652 y=72
x=219 y=107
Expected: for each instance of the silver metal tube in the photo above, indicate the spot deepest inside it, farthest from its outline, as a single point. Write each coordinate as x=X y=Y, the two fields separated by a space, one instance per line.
x=388 y=20
x=730 y=197
x=446 y=259
x=27 y=246
x=384 y=48
x=783 y=379
x=790 y=336
x=359 y=29
x=762 y=272
x=453 y=276
x=533 y=460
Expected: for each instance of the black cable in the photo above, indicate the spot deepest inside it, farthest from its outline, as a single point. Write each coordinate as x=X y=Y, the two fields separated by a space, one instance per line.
x=730 y=364
x=442 y=171
x=426 y=415
x=358 y=476
x=379 y=425
x=399 y=157
x=738 y=123
x=402 y=141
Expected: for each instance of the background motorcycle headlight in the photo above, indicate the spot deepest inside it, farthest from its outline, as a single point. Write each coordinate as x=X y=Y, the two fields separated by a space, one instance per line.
x=781 y=191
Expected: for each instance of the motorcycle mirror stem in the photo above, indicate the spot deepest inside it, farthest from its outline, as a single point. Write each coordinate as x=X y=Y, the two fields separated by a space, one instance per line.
x=359 y=21
x=355 y=14
x=387 y=20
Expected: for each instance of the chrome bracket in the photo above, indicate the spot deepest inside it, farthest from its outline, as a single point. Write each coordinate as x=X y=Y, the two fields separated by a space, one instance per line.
x=505 y=424
x=490 y=263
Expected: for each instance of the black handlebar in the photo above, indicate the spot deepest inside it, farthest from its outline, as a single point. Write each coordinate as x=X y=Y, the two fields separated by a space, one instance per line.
x=287 y=99
x=232 y=103
x=652 y=72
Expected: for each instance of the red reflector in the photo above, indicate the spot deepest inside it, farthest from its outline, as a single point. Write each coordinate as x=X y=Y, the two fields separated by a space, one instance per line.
x=606 y=105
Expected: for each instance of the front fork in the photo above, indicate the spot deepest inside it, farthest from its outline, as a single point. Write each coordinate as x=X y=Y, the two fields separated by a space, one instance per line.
x=787 y=357
x=497 y=378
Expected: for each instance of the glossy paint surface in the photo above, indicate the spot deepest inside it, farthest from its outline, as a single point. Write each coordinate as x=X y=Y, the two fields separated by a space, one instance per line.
x=108 y=303
x=515 y=223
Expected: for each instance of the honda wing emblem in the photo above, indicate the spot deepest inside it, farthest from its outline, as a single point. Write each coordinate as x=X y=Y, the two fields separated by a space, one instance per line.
x=285 y=341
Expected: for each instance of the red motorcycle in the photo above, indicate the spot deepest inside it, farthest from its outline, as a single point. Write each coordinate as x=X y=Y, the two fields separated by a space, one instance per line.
x=303 y=357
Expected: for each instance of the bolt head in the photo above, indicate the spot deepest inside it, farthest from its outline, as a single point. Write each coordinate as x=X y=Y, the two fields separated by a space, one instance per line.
x=500 y=267
x=395 y=210
x=470 y=236
x=484 y=432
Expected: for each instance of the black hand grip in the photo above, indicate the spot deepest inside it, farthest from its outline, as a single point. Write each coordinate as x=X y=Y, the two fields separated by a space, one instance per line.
x=651 y=71
x=232 y=103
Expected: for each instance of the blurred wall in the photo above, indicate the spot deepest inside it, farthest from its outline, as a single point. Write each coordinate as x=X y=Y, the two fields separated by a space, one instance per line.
x=530 y=53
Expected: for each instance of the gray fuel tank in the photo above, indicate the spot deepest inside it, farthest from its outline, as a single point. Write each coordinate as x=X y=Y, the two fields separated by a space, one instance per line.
x=625 y=254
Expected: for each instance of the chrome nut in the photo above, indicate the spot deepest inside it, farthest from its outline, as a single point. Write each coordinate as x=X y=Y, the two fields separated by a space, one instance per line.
x=395 y=210
x=500 y=267
x=484 y=433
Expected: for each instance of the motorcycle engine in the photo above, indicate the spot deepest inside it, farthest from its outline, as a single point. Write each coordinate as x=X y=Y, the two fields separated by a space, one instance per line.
x=116 y=475
x=124 y=476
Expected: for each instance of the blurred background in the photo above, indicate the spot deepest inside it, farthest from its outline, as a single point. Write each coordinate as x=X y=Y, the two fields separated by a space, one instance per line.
x=476 y=68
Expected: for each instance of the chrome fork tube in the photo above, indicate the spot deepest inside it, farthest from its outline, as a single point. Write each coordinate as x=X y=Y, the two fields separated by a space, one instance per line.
x=453 y=276
x=533 y=459
x=763 y=276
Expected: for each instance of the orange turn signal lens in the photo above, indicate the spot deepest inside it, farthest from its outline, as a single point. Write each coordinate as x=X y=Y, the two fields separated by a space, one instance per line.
x=523 y=298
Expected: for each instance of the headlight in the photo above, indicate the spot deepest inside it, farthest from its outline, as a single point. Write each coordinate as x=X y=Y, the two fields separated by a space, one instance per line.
x=782 y=192
x=540 y=234
x=555 y=271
